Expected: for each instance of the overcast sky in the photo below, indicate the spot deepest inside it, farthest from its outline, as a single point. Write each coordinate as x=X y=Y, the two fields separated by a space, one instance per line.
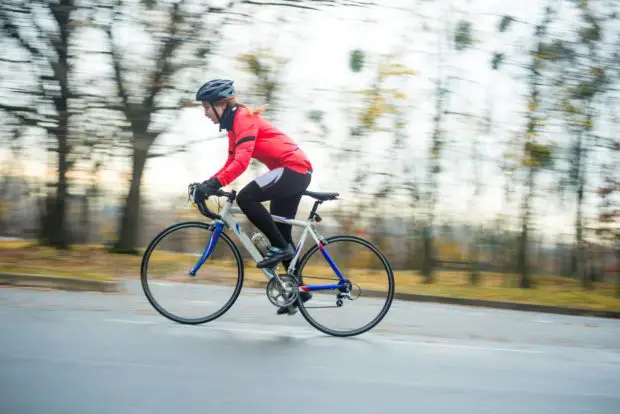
x=318 y=46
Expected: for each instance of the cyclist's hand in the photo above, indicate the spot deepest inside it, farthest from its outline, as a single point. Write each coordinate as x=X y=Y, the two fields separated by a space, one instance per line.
x=210 y=187
x=194 y=193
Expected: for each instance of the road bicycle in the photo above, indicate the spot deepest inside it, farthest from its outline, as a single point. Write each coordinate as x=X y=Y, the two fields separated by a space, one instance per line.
x=282 y=290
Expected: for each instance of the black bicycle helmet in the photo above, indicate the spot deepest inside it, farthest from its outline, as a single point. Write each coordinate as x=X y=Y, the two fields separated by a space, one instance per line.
x=215 y=89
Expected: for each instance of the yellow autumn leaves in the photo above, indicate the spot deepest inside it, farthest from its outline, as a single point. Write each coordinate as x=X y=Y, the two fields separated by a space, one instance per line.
x=379 y=100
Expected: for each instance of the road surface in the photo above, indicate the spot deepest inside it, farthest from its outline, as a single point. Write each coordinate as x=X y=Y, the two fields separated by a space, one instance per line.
x=70 y=353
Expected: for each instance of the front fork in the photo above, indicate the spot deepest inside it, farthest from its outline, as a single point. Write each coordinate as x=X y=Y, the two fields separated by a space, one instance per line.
x=217 y=230
x=209 y=249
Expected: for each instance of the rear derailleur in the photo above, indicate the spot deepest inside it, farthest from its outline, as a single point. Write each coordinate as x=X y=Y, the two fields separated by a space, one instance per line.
x=349 y=291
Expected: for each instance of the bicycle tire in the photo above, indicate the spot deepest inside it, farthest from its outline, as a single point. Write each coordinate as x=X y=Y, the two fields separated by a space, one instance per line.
x=390 y=294
x=144 y=271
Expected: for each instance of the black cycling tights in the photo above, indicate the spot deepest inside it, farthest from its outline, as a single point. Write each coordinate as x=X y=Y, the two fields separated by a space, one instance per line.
x=284 y=188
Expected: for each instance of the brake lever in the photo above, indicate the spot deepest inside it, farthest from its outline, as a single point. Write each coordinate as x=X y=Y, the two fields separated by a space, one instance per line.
x=191 y=193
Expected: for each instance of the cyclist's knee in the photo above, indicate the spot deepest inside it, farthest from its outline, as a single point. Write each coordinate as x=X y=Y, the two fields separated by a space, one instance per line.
x=246 y=197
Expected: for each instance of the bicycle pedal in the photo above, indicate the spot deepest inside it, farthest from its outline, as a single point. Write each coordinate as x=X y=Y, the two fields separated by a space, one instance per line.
x=292 y=310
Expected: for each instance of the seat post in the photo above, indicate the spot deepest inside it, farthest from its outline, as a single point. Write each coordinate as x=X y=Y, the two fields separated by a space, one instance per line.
x=314 y=208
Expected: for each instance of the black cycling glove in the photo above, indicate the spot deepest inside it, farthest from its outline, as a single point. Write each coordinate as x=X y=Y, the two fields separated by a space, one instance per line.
x=210 y=186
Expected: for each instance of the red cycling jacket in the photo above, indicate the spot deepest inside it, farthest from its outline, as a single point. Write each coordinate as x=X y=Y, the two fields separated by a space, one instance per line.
x=252 y=136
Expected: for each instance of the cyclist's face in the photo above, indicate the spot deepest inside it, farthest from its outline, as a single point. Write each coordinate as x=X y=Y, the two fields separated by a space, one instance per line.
x=209 y=111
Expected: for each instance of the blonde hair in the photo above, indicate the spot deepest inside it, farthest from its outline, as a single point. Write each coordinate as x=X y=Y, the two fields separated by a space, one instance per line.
x=252 y=111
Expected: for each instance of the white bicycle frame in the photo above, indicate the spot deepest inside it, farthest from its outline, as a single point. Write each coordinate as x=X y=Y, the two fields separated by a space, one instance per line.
x=225 y=218
x=308 y=229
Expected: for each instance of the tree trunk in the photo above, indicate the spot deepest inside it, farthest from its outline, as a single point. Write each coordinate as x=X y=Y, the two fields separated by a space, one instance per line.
x=523 y=265
x=617 y=268
x=474 y=258
x=55 y=232
x=580 y=251
x=129 y=224
x=60 y=237
x=427 y=256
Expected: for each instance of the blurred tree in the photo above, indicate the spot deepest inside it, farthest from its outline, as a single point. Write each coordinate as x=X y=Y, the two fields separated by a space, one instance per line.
x=40 y=36
x=508 y=165
x=478 y=230
x=181 y=35
x=533 y=153
x=151 y=79
x=461 y=38
x=607 y=227
x=266 y=69
x=10 y=134
x=380 y=111
x=583 y=82
x=356 y=60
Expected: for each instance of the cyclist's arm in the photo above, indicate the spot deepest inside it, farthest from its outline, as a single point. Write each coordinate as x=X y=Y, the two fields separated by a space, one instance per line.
x=231 y=152
x=244 y=147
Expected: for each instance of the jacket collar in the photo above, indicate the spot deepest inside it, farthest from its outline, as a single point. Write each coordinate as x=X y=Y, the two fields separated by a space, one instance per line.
x=228 y=117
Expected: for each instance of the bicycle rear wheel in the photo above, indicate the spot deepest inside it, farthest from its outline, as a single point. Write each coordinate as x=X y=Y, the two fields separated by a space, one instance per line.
x=363 y=265
x=181 y=289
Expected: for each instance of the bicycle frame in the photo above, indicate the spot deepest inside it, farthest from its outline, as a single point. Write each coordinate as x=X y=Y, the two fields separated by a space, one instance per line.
x=227 y=219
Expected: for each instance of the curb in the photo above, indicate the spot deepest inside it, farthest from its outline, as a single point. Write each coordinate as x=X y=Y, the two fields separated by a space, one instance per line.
x=58 y=282
x=74 y=284
x=515 y=306
x=527 y=307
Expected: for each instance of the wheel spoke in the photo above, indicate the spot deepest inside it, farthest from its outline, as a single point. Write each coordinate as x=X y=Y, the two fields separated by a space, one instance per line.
x=361 y=262
x=169 y=256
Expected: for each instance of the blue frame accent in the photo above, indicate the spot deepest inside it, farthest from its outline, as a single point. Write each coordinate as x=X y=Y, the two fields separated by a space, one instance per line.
x=334 y=268
x=321 y=287
x=216 y=235
x=331 y=263
x=209 y=249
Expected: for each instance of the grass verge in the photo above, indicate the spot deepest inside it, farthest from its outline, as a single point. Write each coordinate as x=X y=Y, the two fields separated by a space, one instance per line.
x=93 y=262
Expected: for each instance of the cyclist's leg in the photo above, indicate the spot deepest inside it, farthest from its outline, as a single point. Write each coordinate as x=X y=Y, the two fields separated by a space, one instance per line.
x=287 y=207
x=249 y=200
x=274 y=185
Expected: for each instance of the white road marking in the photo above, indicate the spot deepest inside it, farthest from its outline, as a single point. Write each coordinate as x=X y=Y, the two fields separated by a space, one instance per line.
x=130 y=321
x=163 y=284
x=265 y=332
x=303 y=333
x=472 y=347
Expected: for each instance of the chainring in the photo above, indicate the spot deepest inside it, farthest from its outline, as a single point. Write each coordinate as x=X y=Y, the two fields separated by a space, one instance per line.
x=282 y=295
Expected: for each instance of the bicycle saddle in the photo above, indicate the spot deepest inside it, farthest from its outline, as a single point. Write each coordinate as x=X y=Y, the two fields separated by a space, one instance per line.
x=322 y=196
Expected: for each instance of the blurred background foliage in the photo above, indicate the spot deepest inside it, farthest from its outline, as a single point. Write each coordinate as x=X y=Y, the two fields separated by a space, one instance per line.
x=474 y=141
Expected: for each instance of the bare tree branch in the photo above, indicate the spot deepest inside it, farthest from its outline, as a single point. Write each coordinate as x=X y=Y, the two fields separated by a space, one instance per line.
x=163 y=59
x=9 y=60
x=301 y=4
x=181 y=148
x=287 y=4
x=116 y=64
x=11 y=28
x=21 y=113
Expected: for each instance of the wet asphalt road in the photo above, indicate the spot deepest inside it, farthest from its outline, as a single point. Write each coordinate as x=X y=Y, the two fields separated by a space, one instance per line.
x=63 y=352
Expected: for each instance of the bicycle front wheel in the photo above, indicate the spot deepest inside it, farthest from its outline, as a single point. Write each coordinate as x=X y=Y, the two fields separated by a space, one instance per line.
x=192 y=272
x=369 y=284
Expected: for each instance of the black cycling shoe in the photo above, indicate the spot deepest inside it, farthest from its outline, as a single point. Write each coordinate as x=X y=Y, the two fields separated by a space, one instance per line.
x=275 y=255
x=305 y=297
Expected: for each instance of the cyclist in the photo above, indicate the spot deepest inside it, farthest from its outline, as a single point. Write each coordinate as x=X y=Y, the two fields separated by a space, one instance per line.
x=290 y=171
